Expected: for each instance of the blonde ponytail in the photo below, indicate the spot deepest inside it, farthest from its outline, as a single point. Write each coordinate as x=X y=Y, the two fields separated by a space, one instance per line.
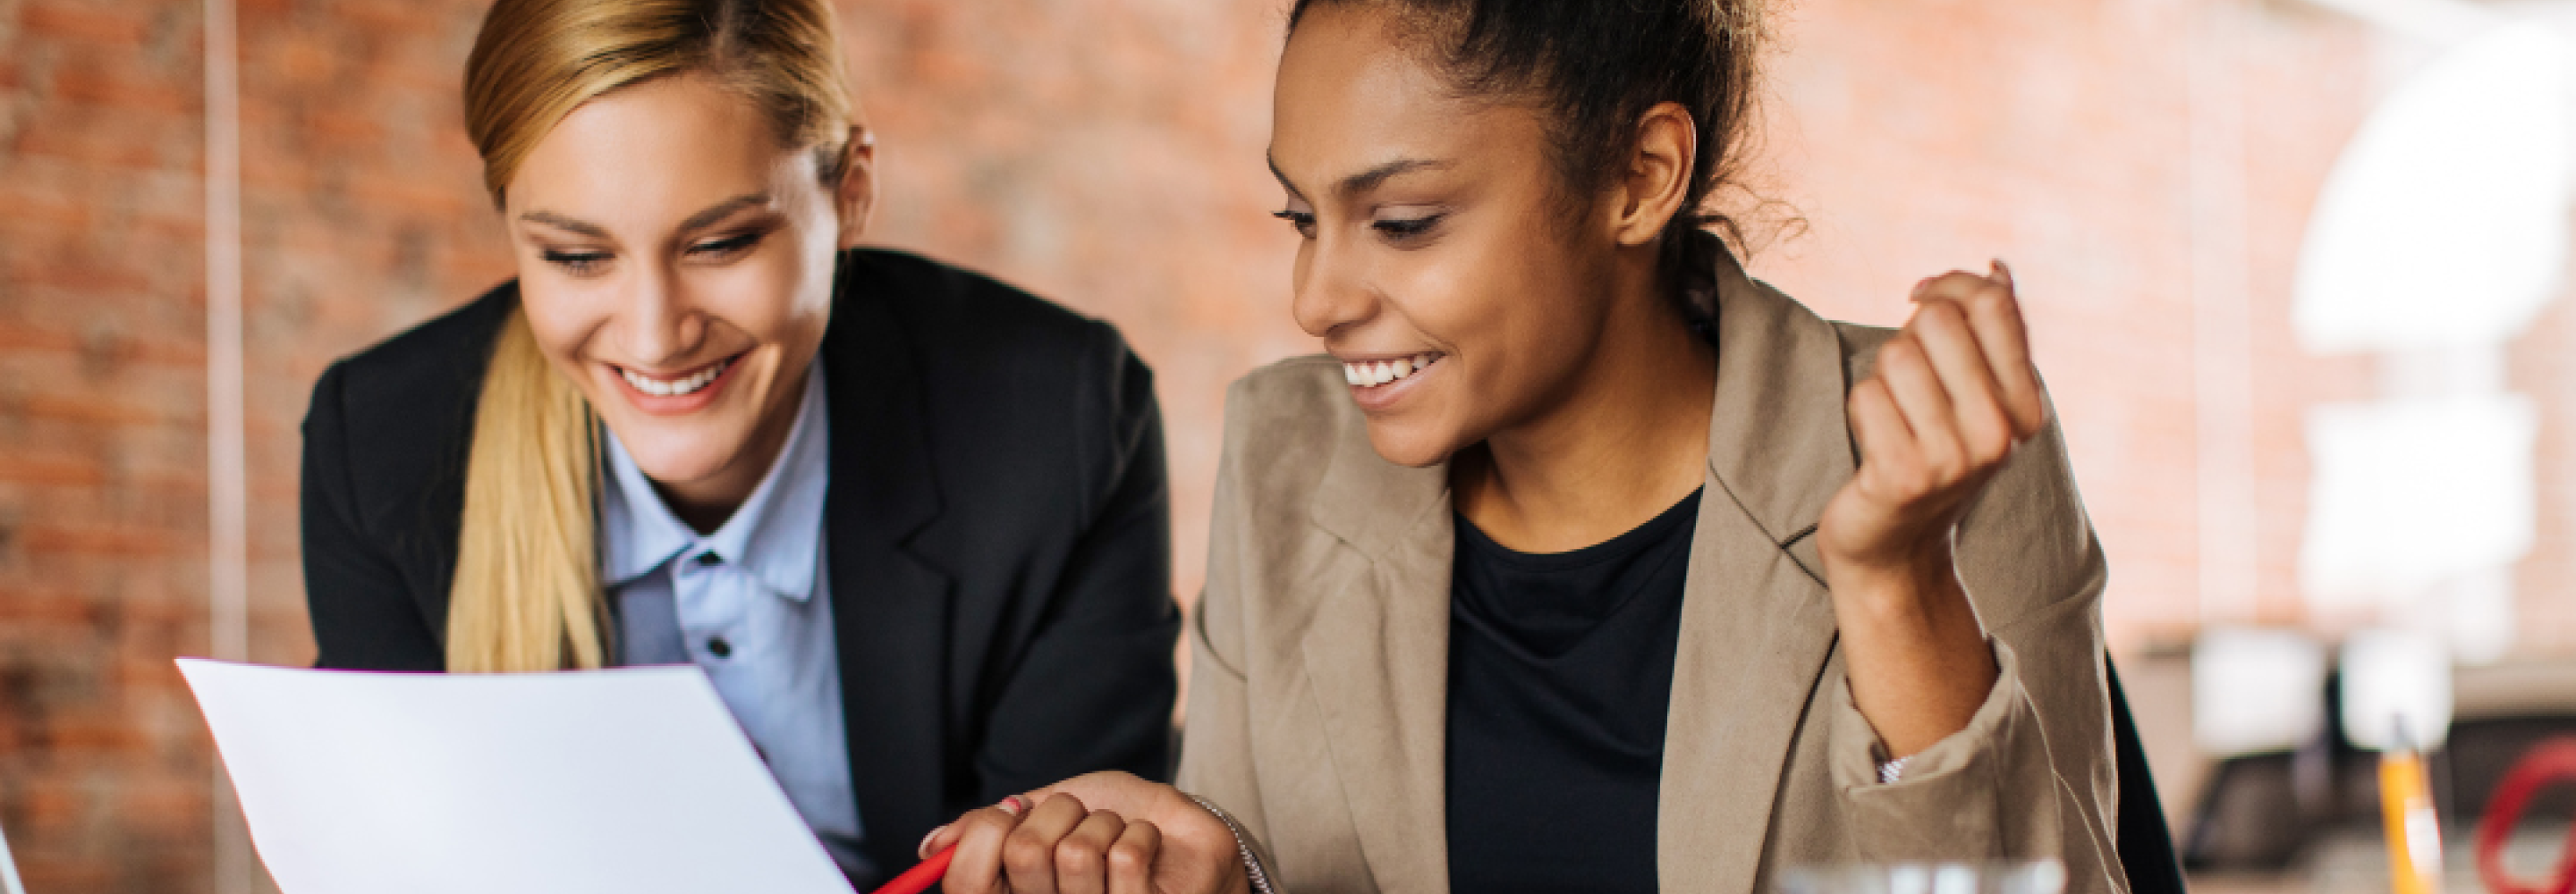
x=527 y=595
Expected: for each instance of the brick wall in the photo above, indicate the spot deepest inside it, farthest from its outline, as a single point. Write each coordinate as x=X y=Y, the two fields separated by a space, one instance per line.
x=103 y=769
x=1106 y=153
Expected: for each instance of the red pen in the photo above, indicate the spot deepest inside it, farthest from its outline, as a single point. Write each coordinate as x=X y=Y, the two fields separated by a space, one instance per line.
x=920 y=878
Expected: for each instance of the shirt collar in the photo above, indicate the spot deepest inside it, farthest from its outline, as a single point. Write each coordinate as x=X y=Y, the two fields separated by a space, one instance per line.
x=775 y=535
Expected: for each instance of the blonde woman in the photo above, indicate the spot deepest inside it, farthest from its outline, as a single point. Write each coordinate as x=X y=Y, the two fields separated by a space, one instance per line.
x=911 y=521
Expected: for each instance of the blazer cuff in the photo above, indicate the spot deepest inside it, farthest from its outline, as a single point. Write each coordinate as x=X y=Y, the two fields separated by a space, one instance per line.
x=1945 y=805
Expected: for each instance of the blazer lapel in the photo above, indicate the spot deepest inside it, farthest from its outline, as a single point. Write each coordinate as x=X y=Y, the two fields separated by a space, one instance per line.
x=1378 y=655
x=889 y=609
x=1757 y=623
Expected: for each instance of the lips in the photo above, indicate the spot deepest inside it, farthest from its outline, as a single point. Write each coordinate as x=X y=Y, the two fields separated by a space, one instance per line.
x=682 y=386
x=1373 y=373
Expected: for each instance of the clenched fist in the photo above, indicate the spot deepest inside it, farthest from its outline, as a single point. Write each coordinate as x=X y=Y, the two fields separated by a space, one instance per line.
x=1953 y=393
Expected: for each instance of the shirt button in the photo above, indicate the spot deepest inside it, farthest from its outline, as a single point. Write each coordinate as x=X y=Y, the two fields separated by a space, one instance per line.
x=717 y=646
x=710 y=559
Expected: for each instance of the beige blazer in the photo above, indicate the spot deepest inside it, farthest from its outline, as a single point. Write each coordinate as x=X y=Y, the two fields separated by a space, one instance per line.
x=1320 y=648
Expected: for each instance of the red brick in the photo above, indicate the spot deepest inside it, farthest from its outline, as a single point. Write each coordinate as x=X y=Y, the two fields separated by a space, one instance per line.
x=57 y=471
x=27 y=609
x=29 y=338
x=108 y=544
x=114 y=24
x=93 y=737
x=111 y=138
x=91 y=412
x=102 y=82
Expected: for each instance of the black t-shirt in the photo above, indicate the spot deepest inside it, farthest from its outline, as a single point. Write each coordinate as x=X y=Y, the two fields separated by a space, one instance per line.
x=1560 y=667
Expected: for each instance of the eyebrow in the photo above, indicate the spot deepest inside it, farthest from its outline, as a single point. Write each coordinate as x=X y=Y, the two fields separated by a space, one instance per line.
x=1371 y=178
x=700 y=220
x=566 y=223
x=724 y=209
x=1364 y=180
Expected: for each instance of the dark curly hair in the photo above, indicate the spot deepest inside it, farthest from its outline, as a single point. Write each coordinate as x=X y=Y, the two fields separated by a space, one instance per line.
x=1592 y=68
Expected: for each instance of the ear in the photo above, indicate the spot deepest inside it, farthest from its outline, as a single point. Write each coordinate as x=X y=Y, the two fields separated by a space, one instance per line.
x=1658 y=175
x=856 y=195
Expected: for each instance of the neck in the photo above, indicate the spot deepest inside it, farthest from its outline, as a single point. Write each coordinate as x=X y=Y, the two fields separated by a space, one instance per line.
x=1627 y=441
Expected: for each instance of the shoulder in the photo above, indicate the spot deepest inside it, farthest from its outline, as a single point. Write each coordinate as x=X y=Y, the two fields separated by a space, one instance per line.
x=1300 y=390
x=1286 y=420
x=400 y=407
x=436 y=359
x=976 y=338
x=1287 y=426
x=958 y=310
x=386 y=434
x=1016 y=396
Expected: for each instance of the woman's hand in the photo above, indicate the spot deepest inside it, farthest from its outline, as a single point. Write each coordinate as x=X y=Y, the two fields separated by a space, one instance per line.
x=1100 y=833
x=1952 y=395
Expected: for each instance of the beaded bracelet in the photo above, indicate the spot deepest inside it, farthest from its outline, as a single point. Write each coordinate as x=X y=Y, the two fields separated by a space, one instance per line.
x=1252 y=869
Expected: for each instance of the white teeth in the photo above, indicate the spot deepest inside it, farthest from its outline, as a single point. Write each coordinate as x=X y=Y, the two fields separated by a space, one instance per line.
x=1369 y=374
x=689 y=384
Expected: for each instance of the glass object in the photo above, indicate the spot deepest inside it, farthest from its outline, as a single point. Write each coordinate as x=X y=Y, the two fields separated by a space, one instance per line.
x=2033 y=877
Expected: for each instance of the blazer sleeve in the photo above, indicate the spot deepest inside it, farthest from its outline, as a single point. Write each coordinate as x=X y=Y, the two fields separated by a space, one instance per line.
x=1095 y=685
x=2032 y=774
x=363 y=616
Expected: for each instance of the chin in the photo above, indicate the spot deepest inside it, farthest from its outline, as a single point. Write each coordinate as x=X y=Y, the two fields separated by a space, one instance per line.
x=1409 y=445
x=678 y=465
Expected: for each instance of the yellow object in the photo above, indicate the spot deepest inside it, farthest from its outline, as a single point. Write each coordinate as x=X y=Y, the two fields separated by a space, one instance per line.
x=2414 y=833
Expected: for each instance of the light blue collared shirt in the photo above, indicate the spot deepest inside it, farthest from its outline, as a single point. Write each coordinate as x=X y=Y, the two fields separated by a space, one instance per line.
x=751 y=604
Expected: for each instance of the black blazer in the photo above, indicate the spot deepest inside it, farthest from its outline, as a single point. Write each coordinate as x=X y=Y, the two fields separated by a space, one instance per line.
x=997 y=519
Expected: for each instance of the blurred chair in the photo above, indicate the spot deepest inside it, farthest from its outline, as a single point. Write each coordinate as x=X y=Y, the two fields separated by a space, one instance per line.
x=2146 y=847
x=2277 y=811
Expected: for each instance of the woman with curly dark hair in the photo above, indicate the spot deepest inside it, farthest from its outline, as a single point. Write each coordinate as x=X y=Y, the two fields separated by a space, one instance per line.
x=1582 y=561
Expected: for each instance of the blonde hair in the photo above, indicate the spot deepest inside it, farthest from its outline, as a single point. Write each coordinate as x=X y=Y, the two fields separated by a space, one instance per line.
x=526 y=596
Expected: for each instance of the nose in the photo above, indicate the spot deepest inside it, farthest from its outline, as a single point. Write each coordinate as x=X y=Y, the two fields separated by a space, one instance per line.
x=1328 y=292
x=661 y=327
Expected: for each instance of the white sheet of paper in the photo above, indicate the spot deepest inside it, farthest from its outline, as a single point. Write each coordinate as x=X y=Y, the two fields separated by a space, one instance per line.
x=628 y=781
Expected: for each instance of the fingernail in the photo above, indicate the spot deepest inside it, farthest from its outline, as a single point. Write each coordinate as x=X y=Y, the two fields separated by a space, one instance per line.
x=2002 y=271
x=1013 y=805
x=1920 y=285
x=922 y=850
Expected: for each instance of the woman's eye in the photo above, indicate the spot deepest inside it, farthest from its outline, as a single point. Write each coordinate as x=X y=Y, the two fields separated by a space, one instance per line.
x=1405 y=228
x=725 y=247
x=576 y=262
x=1302 y=221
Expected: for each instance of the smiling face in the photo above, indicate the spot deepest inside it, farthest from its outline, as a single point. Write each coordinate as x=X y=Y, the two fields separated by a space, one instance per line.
x=1440 y=262
x=676 y=263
